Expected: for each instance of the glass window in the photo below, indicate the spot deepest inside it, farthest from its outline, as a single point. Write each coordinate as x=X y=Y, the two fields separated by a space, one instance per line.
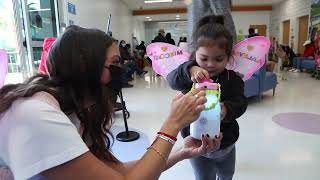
x=42 y=19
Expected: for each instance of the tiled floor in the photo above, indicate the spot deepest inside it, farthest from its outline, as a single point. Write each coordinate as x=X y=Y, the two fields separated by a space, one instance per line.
x=265 y=151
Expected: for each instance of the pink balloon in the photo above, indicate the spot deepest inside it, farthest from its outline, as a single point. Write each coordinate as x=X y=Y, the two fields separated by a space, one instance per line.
x=249 y=56
x=166 y=57
x=3 y=66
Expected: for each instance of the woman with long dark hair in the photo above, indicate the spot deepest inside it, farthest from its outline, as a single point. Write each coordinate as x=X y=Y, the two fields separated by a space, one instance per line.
x=57 y=126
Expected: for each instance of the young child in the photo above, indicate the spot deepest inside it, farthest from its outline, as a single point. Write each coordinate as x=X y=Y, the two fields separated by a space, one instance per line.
x=212 y=44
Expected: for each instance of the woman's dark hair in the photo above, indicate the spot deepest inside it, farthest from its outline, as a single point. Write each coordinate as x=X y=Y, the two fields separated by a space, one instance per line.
x=210 y=31
x=75 y=65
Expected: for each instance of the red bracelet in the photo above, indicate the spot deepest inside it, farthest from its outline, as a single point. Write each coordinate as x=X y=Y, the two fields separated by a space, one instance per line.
x=167 y=135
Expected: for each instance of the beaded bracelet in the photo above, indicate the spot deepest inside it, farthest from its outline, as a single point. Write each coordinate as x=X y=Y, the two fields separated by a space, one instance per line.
x=167 y=135
x=166 y=139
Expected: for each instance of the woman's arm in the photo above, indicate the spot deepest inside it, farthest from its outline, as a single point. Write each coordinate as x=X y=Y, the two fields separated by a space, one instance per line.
x=184 y=110
x=191 y=148
x=87 y=166
x=125 y=167
x=149 y=166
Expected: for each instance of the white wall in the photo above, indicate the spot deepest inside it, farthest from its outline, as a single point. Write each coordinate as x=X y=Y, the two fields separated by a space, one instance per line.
x=288 y=10
x=139 y=29
x=243 y=20
x=94 y=14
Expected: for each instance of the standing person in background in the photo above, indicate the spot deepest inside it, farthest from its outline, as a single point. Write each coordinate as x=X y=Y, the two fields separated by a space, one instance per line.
x=185 y=39
x=199 y=8
x=183 y=44
x=169 y=39
x=252 y=33
x=180 y=40
x=161 y=37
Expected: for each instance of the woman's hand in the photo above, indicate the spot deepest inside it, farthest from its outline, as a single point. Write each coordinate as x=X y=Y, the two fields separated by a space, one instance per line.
x=186 y=108
x=198 y=74
x=193 y=147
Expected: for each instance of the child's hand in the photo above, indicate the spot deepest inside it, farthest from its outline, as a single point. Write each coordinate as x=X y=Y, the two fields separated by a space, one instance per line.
x=223 y=112
x=198 y=74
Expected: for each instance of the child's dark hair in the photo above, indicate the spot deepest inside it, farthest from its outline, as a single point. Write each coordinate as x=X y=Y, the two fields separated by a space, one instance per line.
x=210 y=31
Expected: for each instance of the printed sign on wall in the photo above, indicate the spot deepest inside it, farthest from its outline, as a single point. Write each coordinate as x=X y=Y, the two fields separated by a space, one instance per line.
x=71 y=8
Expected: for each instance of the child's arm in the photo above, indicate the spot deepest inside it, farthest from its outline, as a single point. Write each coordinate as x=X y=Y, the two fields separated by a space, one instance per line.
x=179 y=79
x=236 y=104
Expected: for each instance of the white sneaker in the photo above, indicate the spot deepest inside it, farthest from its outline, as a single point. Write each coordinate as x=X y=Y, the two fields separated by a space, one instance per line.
x=292 y=69
x=296 y=70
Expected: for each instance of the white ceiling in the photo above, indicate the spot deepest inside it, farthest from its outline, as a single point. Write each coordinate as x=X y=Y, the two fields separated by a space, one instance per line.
x=139 y=4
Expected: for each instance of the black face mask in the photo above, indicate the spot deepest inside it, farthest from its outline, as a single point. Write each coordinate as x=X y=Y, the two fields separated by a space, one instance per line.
x=117 y=77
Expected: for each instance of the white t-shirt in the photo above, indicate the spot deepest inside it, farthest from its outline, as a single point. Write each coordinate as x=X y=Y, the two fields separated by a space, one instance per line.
x=35 y=136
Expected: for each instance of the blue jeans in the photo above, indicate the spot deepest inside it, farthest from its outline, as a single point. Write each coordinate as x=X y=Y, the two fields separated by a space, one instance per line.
x=219 y=164
x=297 y=61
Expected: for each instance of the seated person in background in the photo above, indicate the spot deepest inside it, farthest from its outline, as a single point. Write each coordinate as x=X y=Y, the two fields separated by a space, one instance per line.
x=287 y=55
x=308 y=55
x=129 y=61
x=139 y=59
x=58 y=126
x=142 y=49
x=128 y=74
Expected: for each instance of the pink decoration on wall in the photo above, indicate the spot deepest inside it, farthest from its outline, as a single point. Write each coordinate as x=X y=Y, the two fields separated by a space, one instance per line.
x=3 y=66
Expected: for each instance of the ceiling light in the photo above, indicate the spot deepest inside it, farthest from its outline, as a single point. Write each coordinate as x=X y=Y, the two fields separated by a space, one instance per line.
x=148 y=17
x=177 y=15
x=157 y=1
x=177 y=18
